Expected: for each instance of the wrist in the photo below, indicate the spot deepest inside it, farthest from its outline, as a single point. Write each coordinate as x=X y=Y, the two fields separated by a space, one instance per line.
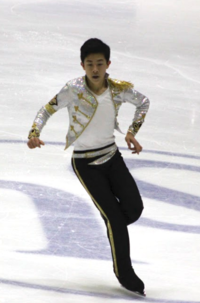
x=34 y=133
x=134 y=128
x=131 y=132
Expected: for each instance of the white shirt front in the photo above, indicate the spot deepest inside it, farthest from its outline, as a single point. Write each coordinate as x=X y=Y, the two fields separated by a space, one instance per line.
x=100 y=131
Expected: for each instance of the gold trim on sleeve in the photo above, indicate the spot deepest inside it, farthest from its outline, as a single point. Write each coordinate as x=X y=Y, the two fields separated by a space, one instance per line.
x=50 y=109
x=34 y=133
x=135 y=126
x=53 y=101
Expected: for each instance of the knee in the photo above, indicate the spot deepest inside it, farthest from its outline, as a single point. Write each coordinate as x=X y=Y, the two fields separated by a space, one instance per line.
x=135 y=215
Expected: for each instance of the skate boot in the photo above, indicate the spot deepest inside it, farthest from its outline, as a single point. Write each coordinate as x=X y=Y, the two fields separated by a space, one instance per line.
x=133 y=283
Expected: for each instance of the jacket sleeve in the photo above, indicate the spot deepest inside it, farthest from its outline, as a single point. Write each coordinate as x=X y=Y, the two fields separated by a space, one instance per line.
x=61 y=100
x=142 y=105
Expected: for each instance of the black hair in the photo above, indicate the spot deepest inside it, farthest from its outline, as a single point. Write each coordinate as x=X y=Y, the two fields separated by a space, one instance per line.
x=94 y=46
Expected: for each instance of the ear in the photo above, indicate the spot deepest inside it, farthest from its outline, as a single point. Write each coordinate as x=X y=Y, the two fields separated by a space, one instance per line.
x=108 y=64
x=82 y=64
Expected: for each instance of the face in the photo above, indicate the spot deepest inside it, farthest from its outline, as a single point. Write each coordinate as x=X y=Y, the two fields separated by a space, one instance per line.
x=95 y=66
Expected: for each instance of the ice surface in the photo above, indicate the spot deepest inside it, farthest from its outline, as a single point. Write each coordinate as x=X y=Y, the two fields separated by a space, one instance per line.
x=53 y=245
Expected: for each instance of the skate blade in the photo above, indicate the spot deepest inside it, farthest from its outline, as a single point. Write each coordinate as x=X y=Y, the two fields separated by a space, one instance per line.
x=139 y=294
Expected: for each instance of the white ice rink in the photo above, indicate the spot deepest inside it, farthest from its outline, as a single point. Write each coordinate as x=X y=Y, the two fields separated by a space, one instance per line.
x=53 y=244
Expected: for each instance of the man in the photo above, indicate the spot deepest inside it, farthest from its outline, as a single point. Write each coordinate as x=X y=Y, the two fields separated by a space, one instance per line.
x=93 y=102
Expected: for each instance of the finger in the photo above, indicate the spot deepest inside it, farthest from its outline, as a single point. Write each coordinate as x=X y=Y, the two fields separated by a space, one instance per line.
x=33 y=143
x=42 y=142
x=39 y=142
x=138 y=147
x=137 y=151
x=29 y=144
x=36 y=142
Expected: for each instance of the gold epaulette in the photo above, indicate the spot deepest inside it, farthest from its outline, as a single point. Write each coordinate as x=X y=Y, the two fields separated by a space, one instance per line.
x=120 y=85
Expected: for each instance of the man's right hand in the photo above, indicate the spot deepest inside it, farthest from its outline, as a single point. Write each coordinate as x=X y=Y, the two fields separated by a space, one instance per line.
x=35 y=142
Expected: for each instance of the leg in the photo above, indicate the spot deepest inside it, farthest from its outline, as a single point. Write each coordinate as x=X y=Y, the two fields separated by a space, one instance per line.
x=125 y=189
x=95 y=181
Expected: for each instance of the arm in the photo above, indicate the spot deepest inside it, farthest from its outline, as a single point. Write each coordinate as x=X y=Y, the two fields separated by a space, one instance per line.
x=59 y=101
x=40 y=120
x=142 y=105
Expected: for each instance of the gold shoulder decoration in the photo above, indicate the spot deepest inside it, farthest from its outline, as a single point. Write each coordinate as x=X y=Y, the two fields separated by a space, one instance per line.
x=120 y=85
x=53 y=101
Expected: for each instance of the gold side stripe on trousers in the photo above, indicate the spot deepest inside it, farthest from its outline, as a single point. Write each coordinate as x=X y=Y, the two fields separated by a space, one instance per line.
x=108 y=222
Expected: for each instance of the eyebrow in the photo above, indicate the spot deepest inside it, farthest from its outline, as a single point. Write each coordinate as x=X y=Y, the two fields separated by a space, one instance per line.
x=92 y=60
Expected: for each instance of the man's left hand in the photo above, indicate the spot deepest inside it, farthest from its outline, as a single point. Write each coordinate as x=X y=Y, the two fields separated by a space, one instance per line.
x=130 y=140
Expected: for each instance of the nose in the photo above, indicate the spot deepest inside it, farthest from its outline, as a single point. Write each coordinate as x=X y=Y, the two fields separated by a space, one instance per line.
x=95 y=69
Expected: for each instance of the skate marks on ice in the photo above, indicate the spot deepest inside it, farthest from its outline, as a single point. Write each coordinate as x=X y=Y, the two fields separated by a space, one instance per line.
x=172 y=198
x=66 y=220
x=121 y=293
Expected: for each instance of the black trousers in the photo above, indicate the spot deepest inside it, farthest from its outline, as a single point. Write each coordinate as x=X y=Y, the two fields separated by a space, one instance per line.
x=115 y=194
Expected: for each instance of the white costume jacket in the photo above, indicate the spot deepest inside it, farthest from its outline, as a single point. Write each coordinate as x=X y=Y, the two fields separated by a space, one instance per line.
x=82 y=105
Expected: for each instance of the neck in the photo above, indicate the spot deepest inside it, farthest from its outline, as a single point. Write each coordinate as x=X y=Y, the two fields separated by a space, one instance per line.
x=98 y=88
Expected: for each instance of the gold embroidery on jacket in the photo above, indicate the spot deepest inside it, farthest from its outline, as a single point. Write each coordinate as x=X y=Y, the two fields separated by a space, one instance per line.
x=78 y=110
x=80 y=96
x=67 y=143
x=72 y=129
x=76 y=121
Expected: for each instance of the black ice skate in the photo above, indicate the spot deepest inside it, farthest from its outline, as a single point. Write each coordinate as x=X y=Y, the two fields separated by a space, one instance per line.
x=132 y=283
